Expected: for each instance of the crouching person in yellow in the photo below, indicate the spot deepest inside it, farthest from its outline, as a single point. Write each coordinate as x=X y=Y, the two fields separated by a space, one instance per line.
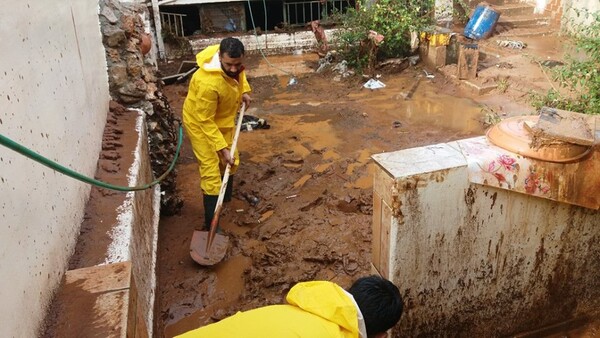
x=317 y=309
x=215 y=94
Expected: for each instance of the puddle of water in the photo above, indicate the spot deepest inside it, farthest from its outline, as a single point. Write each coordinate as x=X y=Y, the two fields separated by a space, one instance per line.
x=365 y=181
x=331 y=155
x=302 y=181
x=229 y=283
x=427 y=106
x=322 y=167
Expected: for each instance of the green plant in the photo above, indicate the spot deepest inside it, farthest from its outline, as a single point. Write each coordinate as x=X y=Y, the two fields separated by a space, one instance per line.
x=461 y=11
x=490 y=116
x=502 y=85
x=580 y=75
x=394 y=19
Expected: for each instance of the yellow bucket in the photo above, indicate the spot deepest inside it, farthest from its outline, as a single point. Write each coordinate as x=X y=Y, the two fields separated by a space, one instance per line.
x=436 y=38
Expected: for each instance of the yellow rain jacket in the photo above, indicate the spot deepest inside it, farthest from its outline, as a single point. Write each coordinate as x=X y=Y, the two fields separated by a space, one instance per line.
x=315 y=310
x=209 y=111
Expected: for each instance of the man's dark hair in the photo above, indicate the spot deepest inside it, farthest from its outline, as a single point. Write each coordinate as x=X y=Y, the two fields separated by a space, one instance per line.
x=232 y=46
x=379 y=301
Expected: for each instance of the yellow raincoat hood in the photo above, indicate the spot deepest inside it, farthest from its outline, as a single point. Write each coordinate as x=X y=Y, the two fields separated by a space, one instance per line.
x=316 y=310
x=213 y=99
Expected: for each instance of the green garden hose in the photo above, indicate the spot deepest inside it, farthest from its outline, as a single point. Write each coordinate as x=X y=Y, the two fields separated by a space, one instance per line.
x=5 y=141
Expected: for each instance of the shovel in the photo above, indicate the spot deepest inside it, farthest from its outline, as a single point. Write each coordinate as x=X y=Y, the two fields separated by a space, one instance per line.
x=209 y=247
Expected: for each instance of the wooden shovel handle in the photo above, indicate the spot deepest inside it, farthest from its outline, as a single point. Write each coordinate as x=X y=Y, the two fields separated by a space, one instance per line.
x=218 y=207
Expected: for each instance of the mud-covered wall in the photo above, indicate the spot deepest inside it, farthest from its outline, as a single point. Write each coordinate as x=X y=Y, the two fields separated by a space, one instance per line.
x=476 y=261
x=145 y=211
x=54 y=99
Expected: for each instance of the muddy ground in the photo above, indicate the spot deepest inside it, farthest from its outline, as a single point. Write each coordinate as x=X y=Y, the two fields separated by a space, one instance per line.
x=311 y=172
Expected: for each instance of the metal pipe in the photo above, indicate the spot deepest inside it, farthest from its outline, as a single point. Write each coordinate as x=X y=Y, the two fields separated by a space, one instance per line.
x=158 y=29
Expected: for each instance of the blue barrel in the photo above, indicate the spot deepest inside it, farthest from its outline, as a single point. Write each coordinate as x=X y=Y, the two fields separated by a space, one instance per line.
x=482 y=23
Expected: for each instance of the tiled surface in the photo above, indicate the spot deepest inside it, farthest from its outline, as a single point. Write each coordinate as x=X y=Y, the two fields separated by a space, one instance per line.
x=573 y=183
x=421 y=160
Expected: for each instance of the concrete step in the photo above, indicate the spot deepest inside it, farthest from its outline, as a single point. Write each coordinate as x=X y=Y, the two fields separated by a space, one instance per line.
x=490 y=49
x=474 y=3
x=523 y=21
x=515 y=10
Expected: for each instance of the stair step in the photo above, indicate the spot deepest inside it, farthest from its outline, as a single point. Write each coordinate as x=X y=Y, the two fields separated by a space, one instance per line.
x=525 y=32
x=474 y=3
x=524 y=21
x=515 y=10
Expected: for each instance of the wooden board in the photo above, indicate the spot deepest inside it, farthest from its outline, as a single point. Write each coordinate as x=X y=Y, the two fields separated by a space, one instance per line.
x=565 y=126
x=468 y=57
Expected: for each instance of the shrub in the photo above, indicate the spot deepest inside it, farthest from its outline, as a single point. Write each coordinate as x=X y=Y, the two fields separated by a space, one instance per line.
x=581 y=76
x=394 y=19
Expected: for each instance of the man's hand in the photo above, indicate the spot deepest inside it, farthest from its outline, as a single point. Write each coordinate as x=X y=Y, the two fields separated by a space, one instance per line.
x=226 y=156
x=246 y=99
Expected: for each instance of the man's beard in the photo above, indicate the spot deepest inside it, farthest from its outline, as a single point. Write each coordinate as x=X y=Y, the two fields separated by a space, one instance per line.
x=231 y=74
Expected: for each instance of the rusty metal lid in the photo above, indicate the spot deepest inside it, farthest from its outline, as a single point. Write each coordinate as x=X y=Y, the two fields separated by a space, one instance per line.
x=513 y=135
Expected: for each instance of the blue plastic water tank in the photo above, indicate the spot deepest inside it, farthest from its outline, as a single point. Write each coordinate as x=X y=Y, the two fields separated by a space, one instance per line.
x=482 y=23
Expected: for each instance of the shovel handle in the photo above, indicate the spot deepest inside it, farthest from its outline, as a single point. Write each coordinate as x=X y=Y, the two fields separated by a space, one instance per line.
x=218 y=207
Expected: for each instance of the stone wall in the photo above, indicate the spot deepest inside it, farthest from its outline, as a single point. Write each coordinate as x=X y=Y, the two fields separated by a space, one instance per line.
x=133 y=82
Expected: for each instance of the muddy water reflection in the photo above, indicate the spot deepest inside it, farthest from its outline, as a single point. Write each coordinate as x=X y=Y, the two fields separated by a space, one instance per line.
x=426 y=106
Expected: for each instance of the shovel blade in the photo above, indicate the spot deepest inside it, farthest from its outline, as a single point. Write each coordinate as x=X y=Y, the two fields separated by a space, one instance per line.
x=217 y=251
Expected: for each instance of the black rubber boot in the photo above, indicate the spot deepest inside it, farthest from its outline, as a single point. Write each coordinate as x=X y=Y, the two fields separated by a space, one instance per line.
x=228 y=190
x=210 y=202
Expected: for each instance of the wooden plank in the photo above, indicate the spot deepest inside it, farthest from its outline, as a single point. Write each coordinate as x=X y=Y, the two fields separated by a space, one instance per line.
x=101 y=278
x=566 y=126
x=386 y=227
x=376 y=238
x=468 y=57
x=383 y=183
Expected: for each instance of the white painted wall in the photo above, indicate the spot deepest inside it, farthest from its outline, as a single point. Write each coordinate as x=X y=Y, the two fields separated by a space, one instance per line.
x=572 y=7
x=270 y=43
x=53 y=99
x=540 y=6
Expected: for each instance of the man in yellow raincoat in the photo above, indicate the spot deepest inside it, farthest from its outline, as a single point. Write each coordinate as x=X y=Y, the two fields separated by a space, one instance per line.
x=317 y=309
x=215 y=94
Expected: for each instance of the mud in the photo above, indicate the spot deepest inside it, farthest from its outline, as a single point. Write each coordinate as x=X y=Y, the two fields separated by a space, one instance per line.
x=101 y=209
x=312 y=174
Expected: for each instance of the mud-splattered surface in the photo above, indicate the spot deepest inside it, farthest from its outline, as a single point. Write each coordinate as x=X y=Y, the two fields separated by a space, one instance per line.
x=312 y=173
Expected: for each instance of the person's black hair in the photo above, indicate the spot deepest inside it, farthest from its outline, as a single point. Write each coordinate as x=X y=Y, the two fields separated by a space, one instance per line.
x=379 y=301
x=232 y=46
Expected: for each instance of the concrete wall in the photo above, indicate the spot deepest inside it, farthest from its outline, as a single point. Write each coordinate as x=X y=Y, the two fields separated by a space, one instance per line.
x=271 y=43
x=476 y=261
x=54 y=100
x=143 y=247
x=572 y=7
x=114 y=297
